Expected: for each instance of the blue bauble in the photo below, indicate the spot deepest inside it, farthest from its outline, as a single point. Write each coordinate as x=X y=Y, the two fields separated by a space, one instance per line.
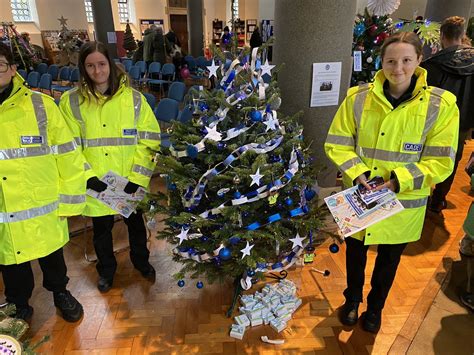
x=288 y=201
x=172 y=186
x=359 y=29
x=204 y=238
x=199 y=285
x=181 y=283
x=255 y=116
x=225 y=253
x=192 y=151
x=203 y=106
x=251 y=273
x=399 y=25
x=309 y=194
x=237 y=194
x=234 y=240
x=334 y=248
x=221 y=145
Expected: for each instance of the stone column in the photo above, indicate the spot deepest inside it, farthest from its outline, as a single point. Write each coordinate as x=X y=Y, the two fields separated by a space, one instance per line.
x=438 y=10
x=307 y=32
x=104 y=23
x=195 y=27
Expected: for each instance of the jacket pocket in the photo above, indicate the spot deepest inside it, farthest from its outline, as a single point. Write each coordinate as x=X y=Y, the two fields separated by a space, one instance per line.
x=46 y=193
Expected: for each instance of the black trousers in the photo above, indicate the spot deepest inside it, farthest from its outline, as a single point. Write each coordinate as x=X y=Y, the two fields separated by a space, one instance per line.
x=19 y=281
x=103 y=243
x=441 y=190
x=386 y=264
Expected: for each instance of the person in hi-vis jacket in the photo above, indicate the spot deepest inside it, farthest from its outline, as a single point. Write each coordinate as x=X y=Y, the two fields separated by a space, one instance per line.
x=405 y=131
x=42 y=182
x=118 y=132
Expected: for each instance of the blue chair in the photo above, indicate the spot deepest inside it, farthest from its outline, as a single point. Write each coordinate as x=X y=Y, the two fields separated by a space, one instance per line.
x=23 y=73
x=134 y=74
x=151 y=99
x=33 y=79
x=176 y=91
x=42 y=68
x=53 y=70
x=166 y=110
x=127 y=63
x=45 y=83
x=201 y=62
x=153 y=72
x=167 y=77
x=143 y=67
x=186 y=115
x=64 y=76
x=75 y=75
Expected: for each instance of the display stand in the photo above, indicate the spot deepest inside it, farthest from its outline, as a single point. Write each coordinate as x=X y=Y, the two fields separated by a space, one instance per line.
x=217 y=29
x=251 y=25
x=239 y=31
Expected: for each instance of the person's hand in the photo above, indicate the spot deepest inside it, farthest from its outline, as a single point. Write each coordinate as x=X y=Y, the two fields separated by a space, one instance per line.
x=95 y=184
x=390 y=184
x=131 y=188
x=362 y=180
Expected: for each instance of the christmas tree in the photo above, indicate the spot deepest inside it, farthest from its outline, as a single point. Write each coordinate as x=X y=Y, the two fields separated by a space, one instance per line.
x=12 y=330
x=23 y=52
x=369 y=33
x=241 y=196
x=129 y=43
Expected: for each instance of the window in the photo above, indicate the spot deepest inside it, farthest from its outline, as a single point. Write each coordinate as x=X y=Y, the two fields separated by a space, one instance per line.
x=123 y=11
x=89 y=15
x=21 y=10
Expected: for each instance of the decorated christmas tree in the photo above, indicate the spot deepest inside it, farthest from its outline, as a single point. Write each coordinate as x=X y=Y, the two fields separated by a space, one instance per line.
x=12 y=331
x=369 y=34
x=241 y=197
x=129 y=43
x=23 y=52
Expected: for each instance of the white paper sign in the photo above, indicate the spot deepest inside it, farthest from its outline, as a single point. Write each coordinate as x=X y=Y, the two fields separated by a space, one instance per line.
x=111 y=37
x=326 y=83
x=357 y=61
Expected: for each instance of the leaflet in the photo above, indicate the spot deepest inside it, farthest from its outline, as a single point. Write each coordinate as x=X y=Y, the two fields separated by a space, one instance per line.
x=114 y=196
x=352 y=215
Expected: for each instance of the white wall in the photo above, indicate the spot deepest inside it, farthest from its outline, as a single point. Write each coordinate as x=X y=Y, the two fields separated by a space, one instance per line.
x=266 y=10
x=410 y=9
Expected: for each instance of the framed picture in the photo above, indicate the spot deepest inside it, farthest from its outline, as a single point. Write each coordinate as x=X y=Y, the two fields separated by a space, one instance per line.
x=144 y=24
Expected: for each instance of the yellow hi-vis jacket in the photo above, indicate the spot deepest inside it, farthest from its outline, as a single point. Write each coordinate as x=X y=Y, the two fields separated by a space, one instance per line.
x=41 y=176
x=120 y=134
x=416 y=141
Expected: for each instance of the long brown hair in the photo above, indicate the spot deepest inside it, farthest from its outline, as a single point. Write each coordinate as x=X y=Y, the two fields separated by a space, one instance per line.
x=116 y=76
x=403 y=37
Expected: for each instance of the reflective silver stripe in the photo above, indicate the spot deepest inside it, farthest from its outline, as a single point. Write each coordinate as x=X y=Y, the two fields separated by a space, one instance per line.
x=76 y=111
x=87 y=166
x=70 y=199
x=142 y=170
x=387 y=155
x=9 y=217
x=149 y=135
x=446 y=152
x=26 y=152
x=341 y=140
x=108 y=142
x=137 y=104
x=349 y=164
x=359 y=106
x=414 y=203
x=64 y=148
x=78 y=141
x=433 y=110
x=41 y=118
x=417 y=175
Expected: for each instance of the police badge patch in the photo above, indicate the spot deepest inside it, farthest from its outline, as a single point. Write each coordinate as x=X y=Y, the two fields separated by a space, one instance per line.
x=25 y=140
x=412 y=147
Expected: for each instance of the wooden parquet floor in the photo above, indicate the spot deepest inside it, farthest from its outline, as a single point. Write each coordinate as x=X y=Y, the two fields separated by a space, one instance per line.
x=137 y=317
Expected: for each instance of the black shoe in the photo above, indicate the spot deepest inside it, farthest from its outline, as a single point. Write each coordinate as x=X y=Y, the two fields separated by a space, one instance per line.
x=24 y=312
x=372 y=321
x=437 y=206
x=104 y=284
x=149 y=273
x=348 y=313
x=70 y=308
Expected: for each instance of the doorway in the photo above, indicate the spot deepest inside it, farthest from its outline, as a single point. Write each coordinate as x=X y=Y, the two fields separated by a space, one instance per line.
x=179 y=24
